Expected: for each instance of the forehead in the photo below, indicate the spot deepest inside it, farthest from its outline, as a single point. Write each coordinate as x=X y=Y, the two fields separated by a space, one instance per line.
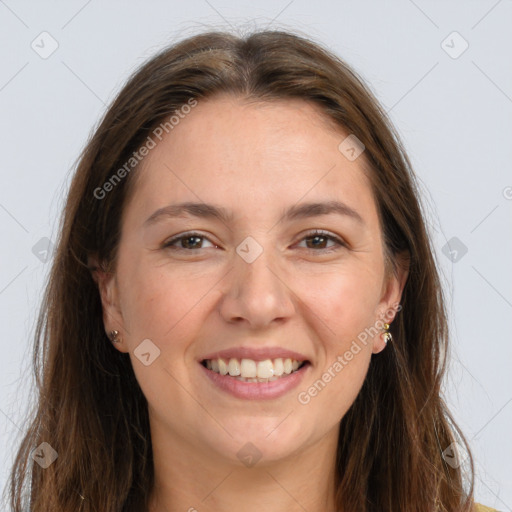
x=246 y=154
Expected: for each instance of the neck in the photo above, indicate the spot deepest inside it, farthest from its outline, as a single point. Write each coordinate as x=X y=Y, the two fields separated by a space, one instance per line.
x=188 y=479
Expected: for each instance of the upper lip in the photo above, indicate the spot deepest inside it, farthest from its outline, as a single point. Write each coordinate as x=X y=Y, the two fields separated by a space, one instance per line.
x=257 y=354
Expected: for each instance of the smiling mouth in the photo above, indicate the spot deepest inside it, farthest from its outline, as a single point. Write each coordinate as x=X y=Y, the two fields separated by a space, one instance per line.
x=250 y=370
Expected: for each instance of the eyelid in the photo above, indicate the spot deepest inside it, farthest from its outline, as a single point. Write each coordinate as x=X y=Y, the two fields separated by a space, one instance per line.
x=316 y=232
x=168 y=243
x=329 y=236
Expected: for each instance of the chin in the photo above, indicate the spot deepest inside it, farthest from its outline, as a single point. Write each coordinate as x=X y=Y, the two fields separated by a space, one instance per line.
x=264 y=440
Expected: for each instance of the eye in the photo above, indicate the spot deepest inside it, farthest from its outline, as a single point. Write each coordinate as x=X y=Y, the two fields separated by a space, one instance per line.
x=192 y=240
x=319 y=238
x=189 y=241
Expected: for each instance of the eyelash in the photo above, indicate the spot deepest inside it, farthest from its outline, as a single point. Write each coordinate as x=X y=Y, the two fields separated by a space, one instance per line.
x=313 y=234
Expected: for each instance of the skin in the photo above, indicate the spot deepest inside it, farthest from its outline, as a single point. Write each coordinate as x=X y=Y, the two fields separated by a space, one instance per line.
x=254 y=159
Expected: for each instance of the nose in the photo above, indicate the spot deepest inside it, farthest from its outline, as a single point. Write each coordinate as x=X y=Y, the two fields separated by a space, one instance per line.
x=257 y=293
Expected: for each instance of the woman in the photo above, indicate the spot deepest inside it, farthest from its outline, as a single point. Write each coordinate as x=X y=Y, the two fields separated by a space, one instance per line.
x=244 y=308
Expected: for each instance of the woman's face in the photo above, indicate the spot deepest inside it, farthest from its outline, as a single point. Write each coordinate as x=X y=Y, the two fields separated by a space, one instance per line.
x=258 y=279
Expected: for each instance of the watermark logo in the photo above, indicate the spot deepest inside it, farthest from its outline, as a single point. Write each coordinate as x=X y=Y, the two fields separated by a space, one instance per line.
x=351 y=147
x=146 y=352
x=454 y=455
x=454 y=45
x=43 y=249
x=454 y=250
x=44 y=455
x=44 y=45
x=249 y=455
x=249 y=249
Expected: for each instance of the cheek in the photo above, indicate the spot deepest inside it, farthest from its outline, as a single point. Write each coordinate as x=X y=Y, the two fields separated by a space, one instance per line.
x=343 y=304
x=163 y=305
x=344 y=300
x=339 y=389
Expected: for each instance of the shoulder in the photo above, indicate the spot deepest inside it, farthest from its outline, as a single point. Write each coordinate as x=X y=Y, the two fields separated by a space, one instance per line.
x=482 y=508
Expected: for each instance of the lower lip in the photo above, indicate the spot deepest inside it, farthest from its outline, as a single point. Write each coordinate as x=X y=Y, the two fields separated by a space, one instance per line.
x=257 y=390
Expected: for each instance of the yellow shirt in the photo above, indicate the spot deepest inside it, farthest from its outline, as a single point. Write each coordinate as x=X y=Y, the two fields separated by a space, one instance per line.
x=482 y=508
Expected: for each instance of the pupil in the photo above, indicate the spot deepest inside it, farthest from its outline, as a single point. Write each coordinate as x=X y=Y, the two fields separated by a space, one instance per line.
x=191 y=238
x=316 y=238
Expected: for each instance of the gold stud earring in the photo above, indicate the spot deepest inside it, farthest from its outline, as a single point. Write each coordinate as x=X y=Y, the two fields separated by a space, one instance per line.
x=113 y=336
x=386 y=335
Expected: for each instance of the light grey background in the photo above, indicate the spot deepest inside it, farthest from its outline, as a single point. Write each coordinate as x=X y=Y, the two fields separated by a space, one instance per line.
x=454 y=113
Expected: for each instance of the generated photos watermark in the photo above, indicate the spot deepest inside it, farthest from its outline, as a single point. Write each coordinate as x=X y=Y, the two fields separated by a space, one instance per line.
x=304 y=397
x=157 y=134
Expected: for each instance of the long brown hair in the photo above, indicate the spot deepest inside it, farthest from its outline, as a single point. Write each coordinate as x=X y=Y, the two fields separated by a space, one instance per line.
x=90 y=408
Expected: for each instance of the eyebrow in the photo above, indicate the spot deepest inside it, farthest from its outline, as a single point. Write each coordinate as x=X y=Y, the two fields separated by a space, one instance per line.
x=295 y=212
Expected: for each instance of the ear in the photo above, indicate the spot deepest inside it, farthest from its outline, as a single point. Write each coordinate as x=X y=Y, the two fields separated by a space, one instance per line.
x=109 y=294
x=392 y=289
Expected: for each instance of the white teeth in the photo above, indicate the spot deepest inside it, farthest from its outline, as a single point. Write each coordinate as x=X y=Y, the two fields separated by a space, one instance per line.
x=265 y=369
x=278 y=367
x=234 y=367
x=223 y=367
x=249 y=370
